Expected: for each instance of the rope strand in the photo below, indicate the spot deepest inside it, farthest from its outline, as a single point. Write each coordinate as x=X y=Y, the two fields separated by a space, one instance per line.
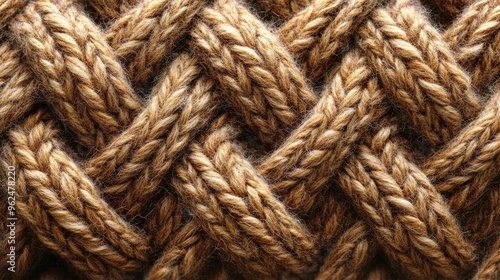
x=229 y=139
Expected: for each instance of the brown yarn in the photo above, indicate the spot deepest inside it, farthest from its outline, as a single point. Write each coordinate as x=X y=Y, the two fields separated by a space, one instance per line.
x=232 y=139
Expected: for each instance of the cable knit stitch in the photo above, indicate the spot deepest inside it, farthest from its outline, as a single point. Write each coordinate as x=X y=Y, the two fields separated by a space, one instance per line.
x=235 y=139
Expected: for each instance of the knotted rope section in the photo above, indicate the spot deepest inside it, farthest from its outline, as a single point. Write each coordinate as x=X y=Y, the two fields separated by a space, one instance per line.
x=235 y=139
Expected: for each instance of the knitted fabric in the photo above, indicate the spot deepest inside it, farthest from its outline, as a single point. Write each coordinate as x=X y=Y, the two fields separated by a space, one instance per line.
x=250 y=139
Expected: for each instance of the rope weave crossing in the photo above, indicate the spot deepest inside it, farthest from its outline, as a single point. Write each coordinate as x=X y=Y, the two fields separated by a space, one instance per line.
x=250 y=139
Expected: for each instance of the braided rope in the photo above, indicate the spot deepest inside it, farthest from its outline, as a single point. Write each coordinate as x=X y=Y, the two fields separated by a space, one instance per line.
x=229 y=139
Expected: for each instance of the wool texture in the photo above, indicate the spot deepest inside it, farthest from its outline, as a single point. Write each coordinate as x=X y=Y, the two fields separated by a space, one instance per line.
x=250 y=139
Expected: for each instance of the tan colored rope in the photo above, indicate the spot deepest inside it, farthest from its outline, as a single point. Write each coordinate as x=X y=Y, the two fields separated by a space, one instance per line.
x=229 y=139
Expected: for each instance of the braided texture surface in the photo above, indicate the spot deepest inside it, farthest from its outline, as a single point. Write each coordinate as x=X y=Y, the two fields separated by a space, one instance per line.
x=250 y=139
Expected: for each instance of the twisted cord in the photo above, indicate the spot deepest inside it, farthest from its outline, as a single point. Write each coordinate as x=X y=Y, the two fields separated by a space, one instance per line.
x=477 y=148
x=67 y=52
x=489 y=269
x=8 y=9
x=100 y=232
x=170 y=119
x=181 y=258
x=476 y=40
x=349 y=258
x=318 y=184
x=172 y=166
x=224 y=191
x=244 y=65
x=419 y=71
x=483 y=218
x=28 y=255
x=17 y=86
x=317 y=33
x=143 y=35
x=382 y=183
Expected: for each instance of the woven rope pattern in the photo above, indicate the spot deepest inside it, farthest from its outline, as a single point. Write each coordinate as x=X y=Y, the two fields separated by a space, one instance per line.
x=259 y=139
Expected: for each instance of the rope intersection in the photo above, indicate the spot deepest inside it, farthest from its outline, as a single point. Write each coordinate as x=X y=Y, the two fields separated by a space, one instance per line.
x=235 y=139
